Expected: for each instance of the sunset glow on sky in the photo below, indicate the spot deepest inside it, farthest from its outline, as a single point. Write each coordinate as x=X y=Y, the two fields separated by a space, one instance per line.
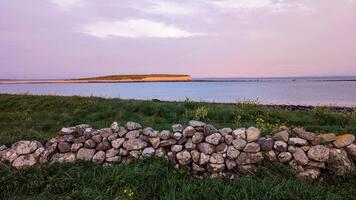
x=202 y=38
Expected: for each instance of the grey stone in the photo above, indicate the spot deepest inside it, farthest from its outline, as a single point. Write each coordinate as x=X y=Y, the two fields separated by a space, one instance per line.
x=206 y=148
x=344 y=140
x=90 y=144
x=160 y=152
x=197 y=168
x=115 y=127
x=300 y=157
x=188 y=131
x=97 y=138
x=209 y=130
x=148 y=131
x=85 y=154
x=270 y=155
x=339 y=163
x=195 y=123
x=38 y=152
x=184 y=157
x=103 y=146
x=134 y=144
x=176 y=148
x=105 y=132
x=297 y=141
x=228 y=139
x=284 y=157
x=280 y=146
x=117 y=143
x=148 y=151
x=213 y=138
x=204 y=159
x=177 y=128
x=252 y=134
x=239 y=133
x=266 y=144
x=221 y=148
x=232 y=153
x=189 y=145
x=292 y=149
x=252 y=147
x=325 y=138
x=130 y=126
x=216 y=158
x=25 y=147
x=67 y=131
x=195 y=155
x=225 y=131
x=168 y=142
x=230 y=164
x=300 y=132
x=165 y=135
x=132 y=134
x=249 y=158
x=281 y=136
x=239 y=144
x=99 y=157
x=47 y=153
x=112 y=152
x=309 y=175
x=351 y=150
x=113 y=136
x=64 y=147
x=177 y=136
x=318 y=153
x=24 y=161
x=63 y=157
x=115 y=159
x=154 y=142
x=313 y=164
x=198 y=137
x=215 y=167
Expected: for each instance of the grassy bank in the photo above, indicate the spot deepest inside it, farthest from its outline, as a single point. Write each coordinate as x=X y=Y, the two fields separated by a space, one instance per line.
x=40 y=117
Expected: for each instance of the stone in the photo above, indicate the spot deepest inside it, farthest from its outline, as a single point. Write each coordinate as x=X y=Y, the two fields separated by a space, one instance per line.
x=206 y=148
x=249 y=158
x=113 y=136
x=97 y=138
x=188 y=131
x=215 y=167
x=292 y=149
x=305 y=148
x=115 y=127
x=197 y=168
x=130 y=126
x=284 y=157
x=252 y=134
x=39 y=152
x=318 y=153
x=247 y=169
x=80 y=139
x=325 y=138
x=225 y=131
x=112 y=152
x=47 y=153
x=213 y=138
x=67 y=131
x=2 y=147
x=252 y=147
x=230 y=164
x=281 y=136
x=148 y=131
x=221 y=148
x=65 y=138
x=154 y=142
x=300 y=132
x=339 y=163
x=105 y=132
x=99 y=157
x=134 y=144
x=204 y=159
x=239 y=144
x=189 y=145
x=81 y=128
x=177 y=136
x=11 y=155
x=168 y=142
x=216 y=158
x=164 y=135
x=88 y=133
x=24 y=161
x=85 y=154
x=198 y=137
x=297 y=141
x=266 y=144
x=232 y=153
x=25 y=147
x=133 y=134
x=115 y=159
x=176 y=148
x=313 y=164
x=160 y=152
x=344 y=140
x=177 y=128
x=351 y=150
x=148 y=151
x=239 y=133
x=90 y=144
x=63 y=157
x=184 y=157
x=122 y=132
x=195 y=156
x=280 y=146
x=228 y=139
x=309 y=175
x=195 y=123
x=300 y=157
x=270 y=155
x=117 y=143
x=209 y=130
x=103 y=146
x=123 y=152
x=64 y=147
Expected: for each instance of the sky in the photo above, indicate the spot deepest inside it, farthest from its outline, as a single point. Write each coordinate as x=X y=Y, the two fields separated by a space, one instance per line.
x=202 y=38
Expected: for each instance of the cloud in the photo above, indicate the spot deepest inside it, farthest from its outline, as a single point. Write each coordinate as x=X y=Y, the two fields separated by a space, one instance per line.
x=168 y=7
x=135 y=28
x=66 y=5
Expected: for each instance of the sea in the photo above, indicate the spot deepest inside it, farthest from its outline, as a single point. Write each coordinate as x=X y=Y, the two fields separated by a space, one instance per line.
x=313 y=91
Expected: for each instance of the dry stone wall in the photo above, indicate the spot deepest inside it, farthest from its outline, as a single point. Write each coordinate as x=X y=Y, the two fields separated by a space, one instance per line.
x=201 y=147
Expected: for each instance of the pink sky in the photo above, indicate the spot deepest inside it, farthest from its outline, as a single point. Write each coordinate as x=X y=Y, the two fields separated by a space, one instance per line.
x=203 y=38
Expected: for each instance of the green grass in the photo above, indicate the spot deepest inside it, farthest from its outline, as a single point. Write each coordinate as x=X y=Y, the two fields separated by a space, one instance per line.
x=41 y=117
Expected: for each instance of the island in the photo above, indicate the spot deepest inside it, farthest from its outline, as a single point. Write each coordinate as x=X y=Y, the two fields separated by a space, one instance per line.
x=109 y=79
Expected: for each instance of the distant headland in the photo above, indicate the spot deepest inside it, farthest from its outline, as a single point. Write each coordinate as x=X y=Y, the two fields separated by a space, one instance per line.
x=109 y=79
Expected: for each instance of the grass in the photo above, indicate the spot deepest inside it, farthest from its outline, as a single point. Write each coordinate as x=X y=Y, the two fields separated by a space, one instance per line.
x=41 y=117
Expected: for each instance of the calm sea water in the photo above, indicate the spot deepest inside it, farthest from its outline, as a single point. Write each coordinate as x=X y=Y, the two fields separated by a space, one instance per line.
x=268 y=91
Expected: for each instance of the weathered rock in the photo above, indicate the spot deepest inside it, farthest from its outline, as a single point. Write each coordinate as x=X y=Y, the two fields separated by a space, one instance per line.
x=252 y=134
x=216 y=158
x=168 y=142
x=177 y=136
x=63 y=157
x=24 y=161
x=65 y=138
x=184 y=157
x=67 y=131
x=189 y=145
x=252 y=147
x=97 y=138
x=198 y=137
x=38 y=152
x=215 y=167
x=195 y=123
x=112 y=152
x=318 y=153
x=134 y=144
x=177 y=128
x=300 y=132
x=280 y=146
x=154 y=141
x=197 y=168
x=113 y=136
x=225 y=131
x=195 y=156
x=313 y=164
x=88 y=133
x=103 y=146
x=324 y=138
x=122 y=132
x=351 y=150
x=80 y=139
x=47 y=153
x=117 y=143
x=284 y=157
x=2 y=147
x=309 y=175
x=344 y=140
x=115 y=159
x=80 y=129
x=270 y=155
x=10 y=155
x=206 y=148
x=25 y=147
x=90 y=144
x=300 y=157
x=338 y=162
x=148 y=131
x=297 y=141
x=249 y=158
x=188 y=131
x=204 y=159
x=105 y=132
x=239 y=133
x=221 y=148
x=64 y=147
x=123 y=152
x=209 y=130
x=148 y=151
x=164 y=135
x=133 y=134
x=99 y=157
x=213 y=138
x=176 y=148
x=266 y=144
x=292 y=149
x=230 y=164
x=85 y=154
x=228 y=139
x=130 y=126
x=239 y=144
x=281 y=136
x=115 y=127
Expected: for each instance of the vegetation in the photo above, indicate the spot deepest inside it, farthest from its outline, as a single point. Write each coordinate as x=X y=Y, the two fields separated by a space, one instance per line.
x=135 y=77
x=41 y=117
